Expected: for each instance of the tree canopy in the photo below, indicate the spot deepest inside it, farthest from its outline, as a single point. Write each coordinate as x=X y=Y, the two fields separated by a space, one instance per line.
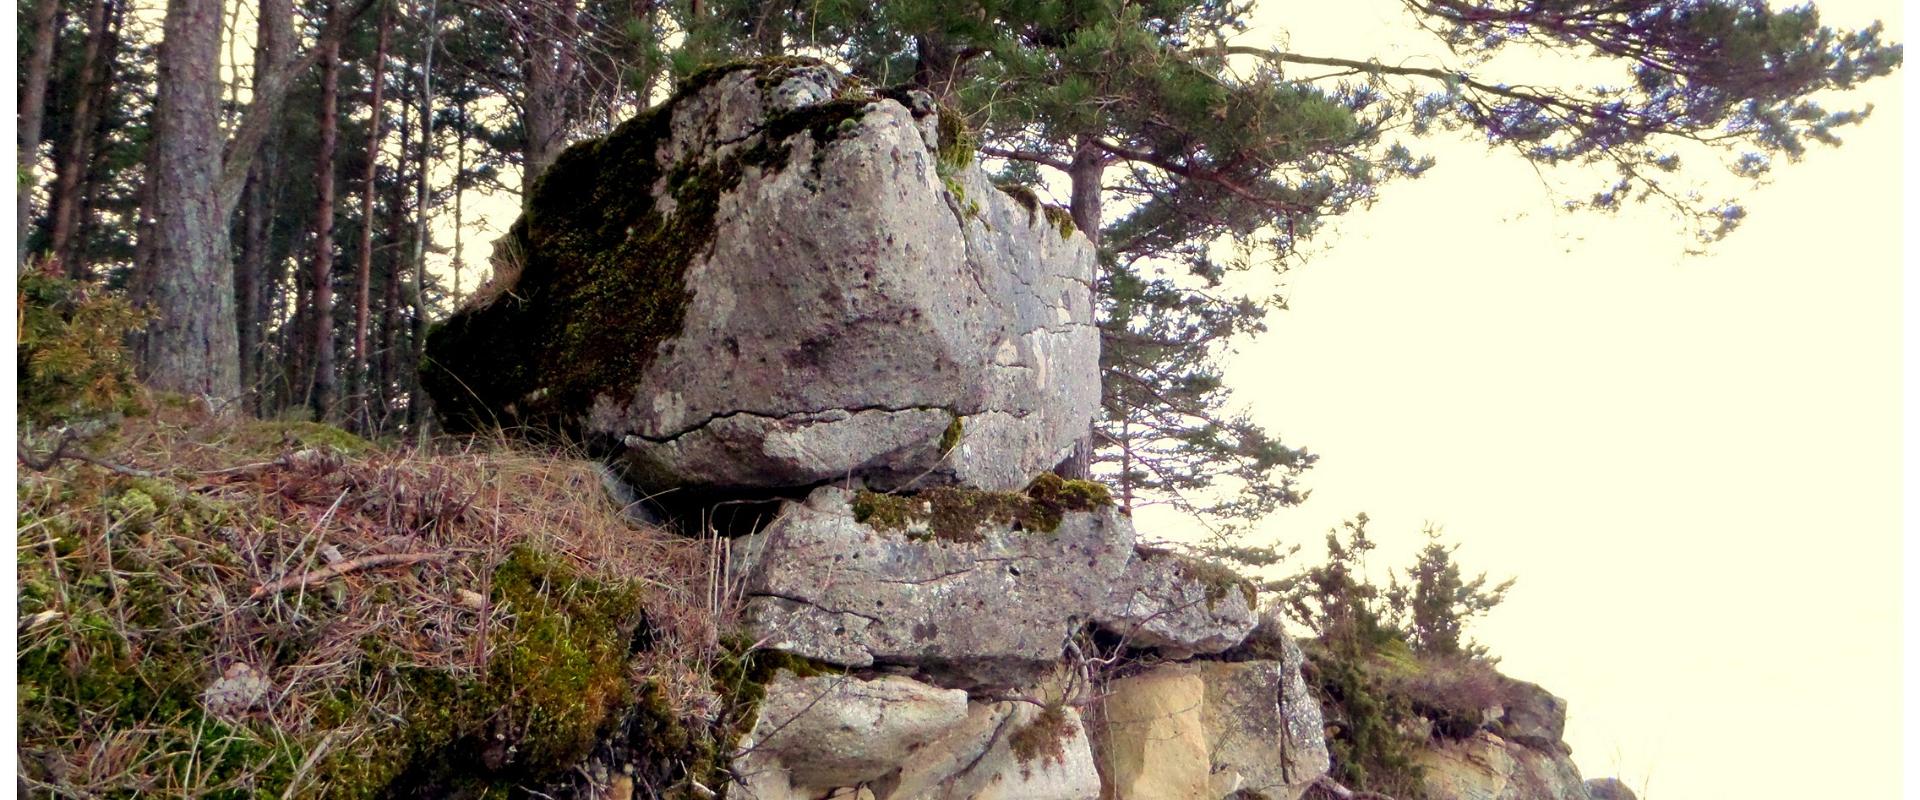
x=1188 y=153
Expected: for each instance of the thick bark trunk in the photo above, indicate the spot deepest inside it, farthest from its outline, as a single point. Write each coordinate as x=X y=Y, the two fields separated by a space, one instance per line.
x=33 y=108
x=363 y=278
x=1089 y=164
x=191 y=345
x=67 y=192
x=550 y=68
x=936 y=67
x=322 y=311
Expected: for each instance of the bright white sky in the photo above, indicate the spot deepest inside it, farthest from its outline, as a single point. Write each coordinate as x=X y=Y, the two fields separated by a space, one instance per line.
x=1690 y=463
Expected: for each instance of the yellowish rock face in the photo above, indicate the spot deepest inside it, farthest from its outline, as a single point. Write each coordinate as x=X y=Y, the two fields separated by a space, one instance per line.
x=1152 y=745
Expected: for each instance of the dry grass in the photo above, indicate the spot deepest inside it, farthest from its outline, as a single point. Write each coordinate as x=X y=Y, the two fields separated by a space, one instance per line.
x=135 y=598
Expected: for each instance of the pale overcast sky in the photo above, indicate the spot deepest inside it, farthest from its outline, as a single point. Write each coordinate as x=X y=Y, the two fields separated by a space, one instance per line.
x=1691 y=464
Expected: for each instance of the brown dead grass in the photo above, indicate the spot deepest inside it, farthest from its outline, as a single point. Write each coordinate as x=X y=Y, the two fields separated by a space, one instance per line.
x=172 y=561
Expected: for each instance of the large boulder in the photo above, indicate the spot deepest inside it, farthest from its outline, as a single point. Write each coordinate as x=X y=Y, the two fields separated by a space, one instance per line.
x=1210 y=729
x=775 y=280
x=1010 y=750
x=1179 y=605
x=983 y=588
x=820 y=732
x=1532 y=716
x=1488 y=767
x=1609 y=789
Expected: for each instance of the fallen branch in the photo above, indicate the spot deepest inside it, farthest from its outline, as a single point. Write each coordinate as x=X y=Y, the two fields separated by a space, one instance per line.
x=68 y=437
x=339 y=568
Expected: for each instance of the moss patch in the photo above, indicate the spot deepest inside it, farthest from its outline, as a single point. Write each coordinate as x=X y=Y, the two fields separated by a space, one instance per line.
x=950 y=438
x=951 y=514
x=1218 y=580
x=1043 y=739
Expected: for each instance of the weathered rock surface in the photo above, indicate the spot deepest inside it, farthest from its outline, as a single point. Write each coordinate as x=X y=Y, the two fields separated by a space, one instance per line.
x=1178 y=605
x=1609 y=789
x=1488 y=767
x=992 y=612
x=1532 y=716
x=821 y=732
x=775 y=281
x=979 y=762
x=1212 y=728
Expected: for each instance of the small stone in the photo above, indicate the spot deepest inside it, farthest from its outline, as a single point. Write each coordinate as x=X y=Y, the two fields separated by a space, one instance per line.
x=237 y=691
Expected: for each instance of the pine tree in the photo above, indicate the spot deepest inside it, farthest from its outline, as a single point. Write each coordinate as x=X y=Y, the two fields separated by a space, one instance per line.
x=1173 y=144
x=1435 y=603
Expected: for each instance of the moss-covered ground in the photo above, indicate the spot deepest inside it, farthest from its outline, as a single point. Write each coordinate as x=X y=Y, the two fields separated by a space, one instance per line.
x=534 y=627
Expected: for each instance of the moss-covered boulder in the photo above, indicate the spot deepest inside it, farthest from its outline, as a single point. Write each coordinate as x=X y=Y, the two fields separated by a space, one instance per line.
x=777 y=279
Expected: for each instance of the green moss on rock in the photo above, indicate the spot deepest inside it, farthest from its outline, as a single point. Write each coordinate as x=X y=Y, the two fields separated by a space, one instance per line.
x=950 y=438
x=952 y=514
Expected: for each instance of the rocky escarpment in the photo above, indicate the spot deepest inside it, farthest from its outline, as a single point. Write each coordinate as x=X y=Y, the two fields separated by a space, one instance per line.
x=783 y=288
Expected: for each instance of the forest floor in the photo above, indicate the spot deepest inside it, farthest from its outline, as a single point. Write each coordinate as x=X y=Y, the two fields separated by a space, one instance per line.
x=214 y=607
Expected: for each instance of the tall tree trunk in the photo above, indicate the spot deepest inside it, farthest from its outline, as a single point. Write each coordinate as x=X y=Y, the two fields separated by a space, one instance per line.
x=269 y=92
x=67 y=195
x=459 y=200
x=416 y=398
x=936 y=67
x=363 y=277
x=249 y=278
x=390 y=338
x=190 y=346
x=322 y=312
x=33 y=108
x=1085 y=172
x=273 y=50
x=550 y=72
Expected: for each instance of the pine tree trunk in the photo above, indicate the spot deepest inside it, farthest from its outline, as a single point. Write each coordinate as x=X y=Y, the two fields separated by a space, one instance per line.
x=549 y=74
x=67 y=193
x=33 y=108
x=322 y=311
x=191 y=346
x=1089 y=163
x=363 y=278
x=416 y=398
x=459 y=202
x=273 y=48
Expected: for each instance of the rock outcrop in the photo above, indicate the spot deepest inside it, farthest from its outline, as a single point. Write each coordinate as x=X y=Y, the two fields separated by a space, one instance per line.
x=778 y=280
x=781 y=288
x=1211 y=729
x=988 y=602
x=1488 y=767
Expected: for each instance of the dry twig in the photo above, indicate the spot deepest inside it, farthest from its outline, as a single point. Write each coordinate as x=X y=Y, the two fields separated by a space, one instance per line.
x=339 y=568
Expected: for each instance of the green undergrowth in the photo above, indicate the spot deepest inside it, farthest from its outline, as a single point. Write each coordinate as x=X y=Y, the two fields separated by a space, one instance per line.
x=1384 y=703
x=953 y=514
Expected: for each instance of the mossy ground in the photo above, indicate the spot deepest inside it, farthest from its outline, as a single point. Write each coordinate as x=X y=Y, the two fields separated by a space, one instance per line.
x=952 y=514
x=494 y=670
